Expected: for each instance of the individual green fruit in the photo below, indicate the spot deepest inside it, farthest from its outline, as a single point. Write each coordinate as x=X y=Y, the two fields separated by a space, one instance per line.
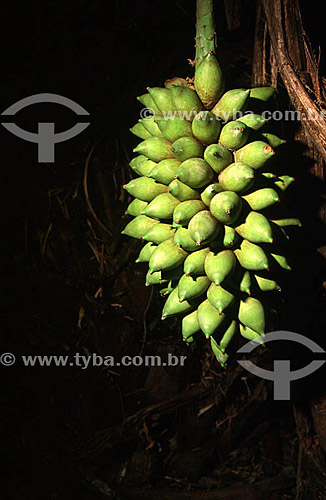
x=237 y=177
x=245 y=283
x=219 y=266
x=162 y=207
x=164 y=171
x=192 y=287
x=176 y=81
x=234 y=135
x=254 y=154
x=183 y=239
x=190 y=325
x=221 y=356
x=203 y=227
x=230 y=104
x=287 y=222
x=262 y=198
x=174 y=128
x=140 y=131
x=283 y=182
x=230 y=236
x=185 y=211
x=173 y=306
x=187 y=147
x=273 y=140
x=256 y=229
x=252 y=315
x=209 y=318
x=195 y=262
x=182 y=191
x=229 y=332
x=148 y=102
x=209 y=80
x=135 y=207
x=206 y=127
x=159 y=233
x=142 y=165
x=262 y=93
x=281 y=260
x=162 y=98
x=209 y=192
x=267 y=285
x=251 y=257
x=226 y=207
x=151 y=126
x=166 y=256
x=154 y=279
x=167 y=290
x=146 y=252
x=155 y=148
x=145 y=189
x=250 y=334
x=139 y=226
x=219 y=297
x=195 y=172
x=186 y=102
x=253 y=121
x=218 y=157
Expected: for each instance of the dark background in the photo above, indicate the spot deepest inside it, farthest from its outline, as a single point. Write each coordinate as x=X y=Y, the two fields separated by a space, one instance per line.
x=101 y=55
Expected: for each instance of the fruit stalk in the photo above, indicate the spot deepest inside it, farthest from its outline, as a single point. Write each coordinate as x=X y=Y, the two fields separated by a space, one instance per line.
x=205 y=30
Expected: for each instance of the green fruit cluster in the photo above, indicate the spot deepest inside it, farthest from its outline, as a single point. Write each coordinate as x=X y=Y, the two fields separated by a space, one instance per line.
x=200 y=204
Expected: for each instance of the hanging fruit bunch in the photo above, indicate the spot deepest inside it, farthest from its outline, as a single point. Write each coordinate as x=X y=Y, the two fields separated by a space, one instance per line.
x=201 y=197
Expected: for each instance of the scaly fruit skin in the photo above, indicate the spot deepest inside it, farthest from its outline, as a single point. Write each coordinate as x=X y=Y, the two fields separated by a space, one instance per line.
x=198 y=199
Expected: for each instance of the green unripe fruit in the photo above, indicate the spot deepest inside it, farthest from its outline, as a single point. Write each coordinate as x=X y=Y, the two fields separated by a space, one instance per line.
x=155 y=148
x=209 y=318
x=167 y=290
x=191 y=288
x=262 y=93
x=252 y=315
x=186 y=210
x=283 y=182
x=166 y=256
x=182 y=191
x=162 y=98
x=142 y=165
x=184 y=240
x=173 y=306
x=176 y=81
x=209 y=80
x=218 y=157
x=230 y=330
x=190 y=325
x=230 y=103
x=254 y=154
x=164 y=171
x=154 y=279
x=145 y=189
x=148 y=102
x=262 y=198
x=287 y=222
x=219 y=297
x=253 y=121
x=230 y=236
x=219 y=355
x=159 y=233
x=245 y=282
x=186 y=102
x=206 y=127
x=174 y=128
x=139 y=226
x=162 y=207
x=203 y=227
x=256 y=229
x=195 y=172
x=210 y=192
x=219 y=266
x=151 y=126
x=281 y=260
x=251 y=257
x=234 y=135
x=226 y=207
x=237 y=177
x=135 y=207
x=273 y=140
x=267 y=285
x=250 y=334
x=146 y=252
x=195 y=262
x=187 y=147
x=140 y=131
